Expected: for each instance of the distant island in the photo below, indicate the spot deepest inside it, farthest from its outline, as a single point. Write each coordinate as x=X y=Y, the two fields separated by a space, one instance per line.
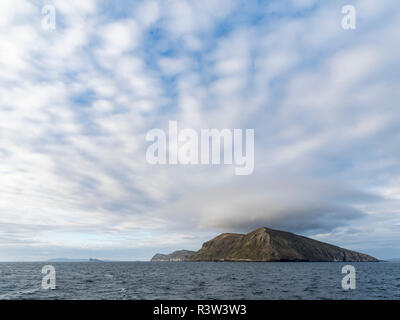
x=180 y=255
x=268 y=245
x=76 y=260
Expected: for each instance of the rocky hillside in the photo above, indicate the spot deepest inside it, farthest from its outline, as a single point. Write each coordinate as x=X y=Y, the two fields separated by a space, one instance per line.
x=266 y=244
x=180 y=255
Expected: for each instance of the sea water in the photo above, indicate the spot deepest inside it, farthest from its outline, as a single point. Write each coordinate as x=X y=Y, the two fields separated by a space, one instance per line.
x=199 y=280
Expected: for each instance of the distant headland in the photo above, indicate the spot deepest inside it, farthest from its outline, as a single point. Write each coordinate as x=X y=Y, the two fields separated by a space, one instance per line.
x=180 y=255
x=268 y=245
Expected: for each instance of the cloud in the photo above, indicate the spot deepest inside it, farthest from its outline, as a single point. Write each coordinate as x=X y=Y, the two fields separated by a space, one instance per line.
x=119 y=37
x=188 y=17
x=76 y=104
x=148 y=13
x=294 y=204
x=303 y=3
x=174 y=66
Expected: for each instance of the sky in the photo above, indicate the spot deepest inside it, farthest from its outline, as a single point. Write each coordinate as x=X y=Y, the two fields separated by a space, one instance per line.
x=77 y=101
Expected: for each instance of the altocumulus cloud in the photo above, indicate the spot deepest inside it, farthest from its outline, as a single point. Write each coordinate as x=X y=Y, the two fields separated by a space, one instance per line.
x=76 y=103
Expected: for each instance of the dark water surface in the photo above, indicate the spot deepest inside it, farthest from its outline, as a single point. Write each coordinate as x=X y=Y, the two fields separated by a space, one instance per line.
x=199 y=280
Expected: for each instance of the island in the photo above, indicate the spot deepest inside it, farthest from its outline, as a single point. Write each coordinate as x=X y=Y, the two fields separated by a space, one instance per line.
x=180 y=255
x=76 y=260
x=268 y=245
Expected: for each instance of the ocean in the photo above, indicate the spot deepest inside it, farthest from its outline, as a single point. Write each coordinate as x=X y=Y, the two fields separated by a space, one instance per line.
x=199 y=280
